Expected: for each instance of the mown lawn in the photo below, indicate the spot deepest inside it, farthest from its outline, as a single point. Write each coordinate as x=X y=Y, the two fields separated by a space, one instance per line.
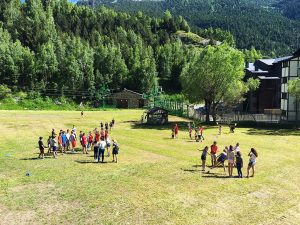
x=157 y=180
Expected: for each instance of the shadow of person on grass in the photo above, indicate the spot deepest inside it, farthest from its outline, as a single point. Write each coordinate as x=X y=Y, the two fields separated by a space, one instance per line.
x=90 y=162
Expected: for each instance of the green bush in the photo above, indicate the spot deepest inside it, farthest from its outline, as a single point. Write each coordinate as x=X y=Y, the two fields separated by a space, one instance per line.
x=5 y=92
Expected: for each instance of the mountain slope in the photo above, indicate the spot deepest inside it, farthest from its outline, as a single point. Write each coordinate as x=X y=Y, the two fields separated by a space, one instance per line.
x=289 y=8
x=249 y=22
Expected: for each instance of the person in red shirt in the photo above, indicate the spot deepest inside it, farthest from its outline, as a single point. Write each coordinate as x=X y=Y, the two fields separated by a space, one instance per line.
x=176 y=129
x=97 y=136
x=90 y=140
x=201 y=130
x=106 y=134
x=59 y=140
x=84 y=143
x=213 y=153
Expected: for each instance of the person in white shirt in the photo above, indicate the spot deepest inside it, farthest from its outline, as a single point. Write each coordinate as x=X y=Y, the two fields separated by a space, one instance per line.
x=252 y=161
x=101 y=149
x=236 y=148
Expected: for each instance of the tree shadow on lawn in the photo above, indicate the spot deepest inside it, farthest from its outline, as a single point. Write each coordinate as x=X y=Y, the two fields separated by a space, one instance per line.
x=183 y=126
x=274 y=132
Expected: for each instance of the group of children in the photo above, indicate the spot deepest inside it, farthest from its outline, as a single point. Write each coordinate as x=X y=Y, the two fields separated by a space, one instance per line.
x=234 y=157
x=98 y=140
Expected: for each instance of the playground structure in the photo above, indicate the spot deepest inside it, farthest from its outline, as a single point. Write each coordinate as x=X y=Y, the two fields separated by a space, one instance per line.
x=155 y=116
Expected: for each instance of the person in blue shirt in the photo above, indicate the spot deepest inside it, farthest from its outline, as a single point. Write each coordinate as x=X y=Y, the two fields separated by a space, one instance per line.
x=64 y=140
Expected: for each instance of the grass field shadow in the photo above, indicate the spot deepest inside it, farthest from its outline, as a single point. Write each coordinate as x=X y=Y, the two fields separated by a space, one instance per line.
x=273 y=132
x=183 y=126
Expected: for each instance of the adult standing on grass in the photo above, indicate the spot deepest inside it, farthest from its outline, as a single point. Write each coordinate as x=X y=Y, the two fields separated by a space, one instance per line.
x=42 y=148
x=230 y=157
x=102 y=146
x=213 y=153
x=252 y=161
x=115 y=150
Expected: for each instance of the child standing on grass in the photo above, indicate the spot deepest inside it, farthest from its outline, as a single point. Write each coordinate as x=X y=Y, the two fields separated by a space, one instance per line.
x=108 y=145
x=64 y=141
x=73 y=141
x=176 y=129
x=221 y=159
x=42 y=148
x=203 y=157
x=96 y=150
x=84 y=143
x=190 y=132
x=197 y=134
x=59 y=140
x=239 y=164
x=115 y=151
x=230 y=157
x=213 y=153
x=173 y=133
x=252 y=161
x=49 y=144
x=90 y=140
x=201 y=137
x=54 y=146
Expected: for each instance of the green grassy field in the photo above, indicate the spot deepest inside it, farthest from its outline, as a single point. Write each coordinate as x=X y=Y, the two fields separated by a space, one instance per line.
x=157 y=180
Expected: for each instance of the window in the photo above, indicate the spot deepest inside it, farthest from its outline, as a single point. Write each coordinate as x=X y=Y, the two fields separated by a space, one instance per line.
x=283 y=112
x=284 y=95
x=284 y=80
x=285 y=64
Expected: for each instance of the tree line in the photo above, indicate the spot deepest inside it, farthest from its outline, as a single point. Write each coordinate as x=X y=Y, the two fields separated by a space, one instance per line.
x=56 y=45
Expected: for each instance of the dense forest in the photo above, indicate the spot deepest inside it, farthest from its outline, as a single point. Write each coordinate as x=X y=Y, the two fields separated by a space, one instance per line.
x=64 y=49
x=253 y=23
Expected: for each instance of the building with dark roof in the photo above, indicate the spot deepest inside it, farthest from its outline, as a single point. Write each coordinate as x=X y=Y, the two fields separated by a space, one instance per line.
x=274 y=75
x=128 y=99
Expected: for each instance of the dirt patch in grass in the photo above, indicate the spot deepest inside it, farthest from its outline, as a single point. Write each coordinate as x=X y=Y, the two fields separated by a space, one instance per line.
x=8 y=217
x=38 y=186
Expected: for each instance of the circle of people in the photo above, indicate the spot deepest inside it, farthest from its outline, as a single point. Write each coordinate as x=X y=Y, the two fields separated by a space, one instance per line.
x=98 y=140
x=232 y=154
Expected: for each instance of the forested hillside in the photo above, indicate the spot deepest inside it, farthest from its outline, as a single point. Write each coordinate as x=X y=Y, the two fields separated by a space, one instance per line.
x=66 y=49
x=290 y=8
x=253 y=23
